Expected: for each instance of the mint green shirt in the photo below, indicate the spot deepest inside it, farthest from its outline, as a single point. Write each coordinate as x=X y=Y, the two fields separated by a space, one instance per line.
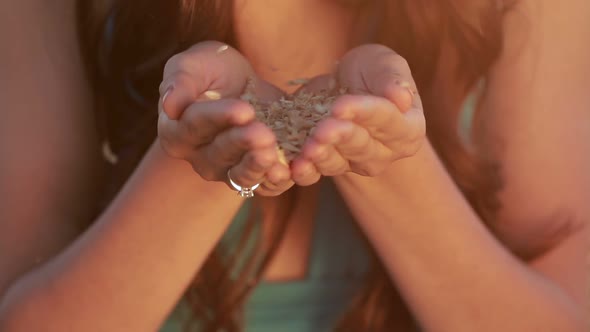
x=337 y=265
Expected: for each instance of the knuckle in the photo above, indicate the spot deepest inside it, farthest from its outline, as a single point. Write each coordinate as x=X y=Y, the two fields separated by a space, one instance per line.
x=190 y=131
x=177 y=78
x=248 y=179
x=361 y=150
x=371 y=169
x=228 y=158
x=171 y=149
x=261 y=160
x=223 y=155
x=239 y=138
x=410 y=148
x=416 y=146
x=338 y=170
x=193 y=115
x=415 y=143
x=183 y=80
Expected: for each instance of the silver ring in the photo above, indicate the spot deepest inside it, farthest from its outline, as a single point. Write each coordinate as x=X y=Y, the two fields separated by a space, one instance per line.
x=246 y=192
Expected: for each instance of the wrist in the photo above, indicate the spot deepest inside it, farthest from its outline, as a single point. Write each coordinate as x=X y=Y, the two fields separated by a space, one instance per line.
x=408 y=184
x=180 y=171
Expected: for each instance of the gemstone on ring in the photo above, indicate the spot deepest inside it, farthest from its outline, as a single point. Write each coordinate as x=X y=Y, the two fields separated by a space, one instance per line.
x=246 y=192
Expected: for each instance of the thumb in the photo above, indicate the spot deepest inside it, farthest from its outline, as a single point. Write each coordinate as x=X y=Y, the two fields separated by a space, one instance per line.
x=178 y=94
x=378 y=70
x=207 y=71
x=396 y=90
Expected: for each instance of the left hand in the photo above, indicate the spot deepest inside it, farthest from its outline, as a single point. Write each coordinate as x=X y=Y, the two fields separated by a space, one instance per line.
x=377 y=123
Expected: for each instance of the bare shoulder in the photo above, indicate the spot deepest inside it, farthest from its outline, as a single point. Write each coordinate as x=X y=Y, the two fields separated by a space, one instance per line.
x=537 y=112
x=48 y=139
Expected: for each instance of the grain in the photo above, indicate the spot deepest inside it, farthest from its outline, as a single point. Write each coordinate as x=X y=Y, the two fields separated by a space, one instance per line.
x=293 y=116
x=298 y=81
x=212 y=95
x=222 y=49
x=108 y=153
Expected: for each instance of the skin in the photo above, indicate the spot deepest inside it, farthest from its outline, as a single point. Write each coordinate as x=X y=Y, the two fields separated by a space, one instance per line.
x=217 y=135
x=134 y=253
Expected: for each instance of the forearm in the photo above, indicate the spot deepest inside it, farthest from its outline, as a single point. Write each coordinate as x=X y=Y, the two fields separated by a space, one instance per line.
x=130 y=268
x=452 y=272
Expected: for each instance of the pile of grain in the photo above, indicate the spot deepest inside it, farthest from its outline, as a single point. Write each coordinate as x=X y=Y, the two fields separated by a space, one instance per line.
x=293 y=116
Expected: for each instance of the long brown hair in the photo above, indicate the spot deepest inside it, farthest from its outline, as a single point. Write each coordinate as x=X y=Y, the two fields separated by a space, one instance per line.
x=449 y=44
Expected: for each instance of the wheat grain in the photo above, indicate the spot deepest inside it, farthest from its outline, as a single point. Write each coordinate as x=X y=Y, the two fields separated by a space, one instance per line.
x=222 y=49
x=292 y=117
x=212 y=95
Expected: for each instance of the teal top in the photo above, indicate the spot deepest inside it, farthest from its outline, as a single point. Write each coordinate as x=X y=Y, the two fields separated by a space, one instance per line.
x=337 y=265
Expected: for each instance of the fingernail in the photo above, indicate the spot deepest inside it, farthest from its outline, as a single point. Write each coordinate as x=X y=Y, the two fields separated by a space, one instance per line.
x=403 y=84
x=167 y=93
x=161 y=108
x=407 y=85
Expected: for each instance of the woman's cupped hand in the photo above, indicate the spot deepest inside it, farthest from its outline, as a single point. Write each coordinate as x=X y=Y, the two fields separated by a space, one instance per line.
x=378 y=121
x=203 y=120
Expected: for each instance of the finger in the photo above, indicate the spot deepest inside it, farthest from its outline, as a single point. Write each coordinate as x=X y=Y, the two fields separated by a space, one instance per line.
x=380 y=71
x=378 y=115
x=278 y=180
x=207 y=71
x=252 y=169
x=202 y=121
x=326 y=159
x=329 y=130
x=400 y=92
x=360 y=148
x=392 y=79
x=304 y=172
x=353 y=142
x=180 y=90
x=227 y=148
x=169 y=140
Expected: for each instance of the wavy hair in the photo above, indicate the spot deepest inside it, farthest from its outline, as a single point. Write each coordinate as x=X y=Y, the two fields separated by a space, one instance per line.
x=450 y=46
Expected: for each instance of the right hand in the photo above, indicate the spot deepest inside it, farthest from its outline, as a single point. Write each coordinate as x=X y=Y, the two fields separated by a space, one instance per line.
x=203 y=121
